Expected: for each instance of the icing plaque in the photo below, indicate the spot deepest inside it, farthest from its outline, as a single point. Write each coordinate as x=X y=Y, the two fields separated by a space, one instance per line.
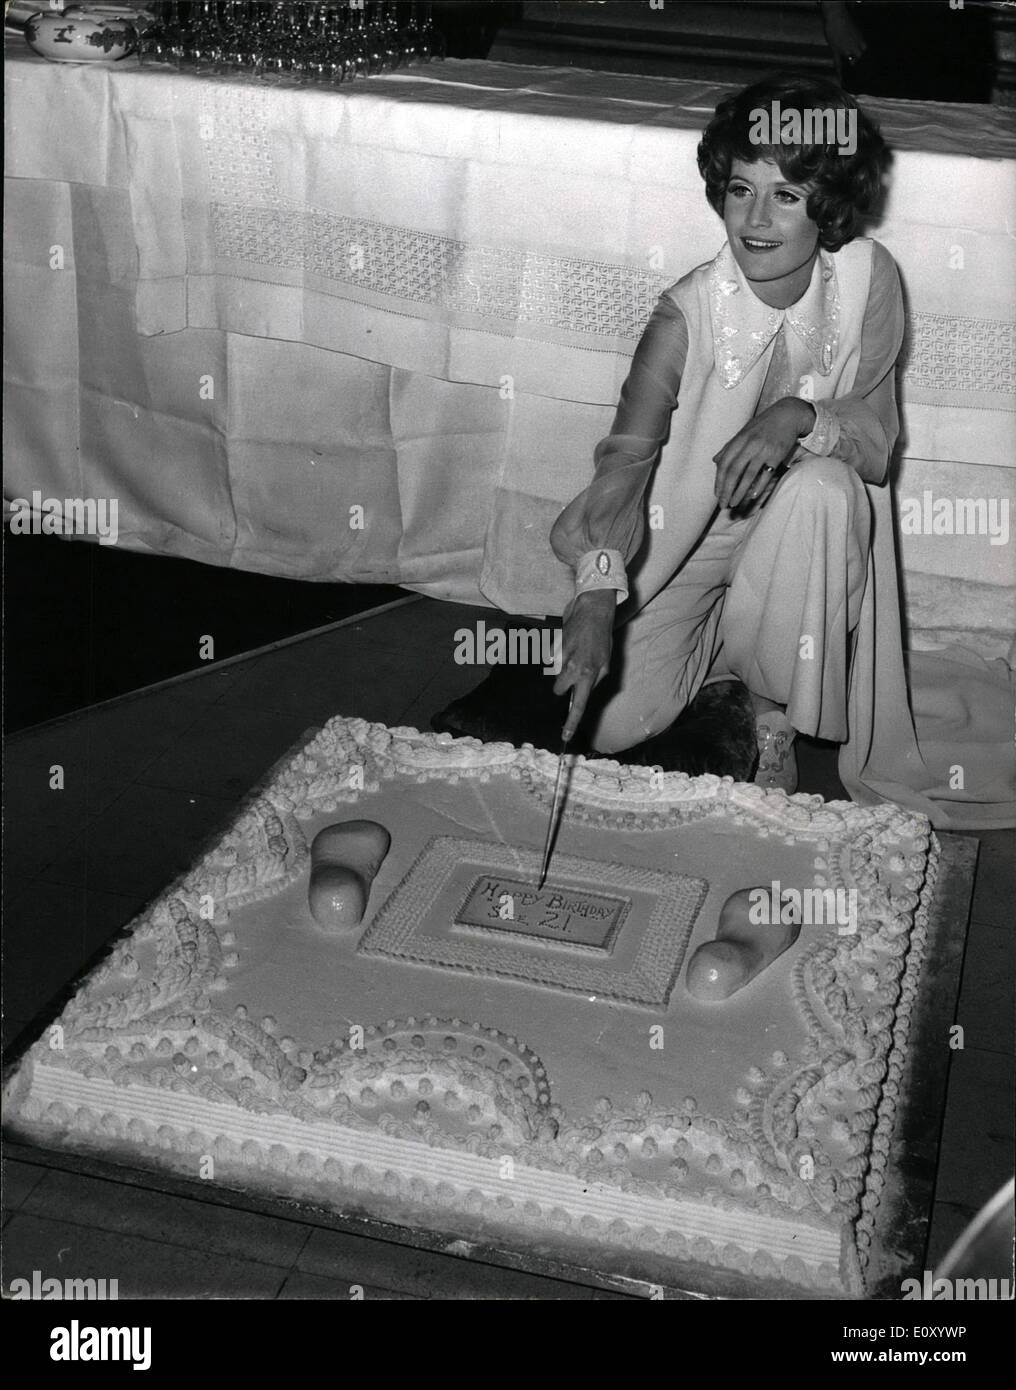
x=572 y=916
x=615 y=931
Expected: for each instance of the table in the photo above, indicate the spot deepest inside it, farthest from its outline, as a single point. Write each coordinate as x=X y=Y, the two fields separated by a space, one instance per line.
x=374 y=334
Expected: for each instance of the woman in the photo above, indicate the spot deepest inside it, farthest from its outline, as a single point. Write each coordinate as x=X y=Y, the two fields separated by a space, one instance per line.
x=759 y=404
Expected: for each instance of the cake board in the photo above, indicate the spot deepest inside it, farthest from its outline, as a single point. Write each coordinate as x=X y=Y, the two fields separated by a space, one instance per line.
x=902 y=1222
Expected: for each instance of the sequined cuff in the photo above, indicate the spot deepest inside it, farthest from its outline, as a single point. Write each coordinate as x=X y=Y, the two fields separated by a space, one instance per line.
x=825 y=434
x=601 y=569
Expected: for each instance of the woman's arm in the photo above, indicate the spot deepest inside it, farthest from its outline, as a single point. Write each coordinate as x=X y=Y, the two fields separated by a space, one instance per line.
x=862 y=427
x=609 y=513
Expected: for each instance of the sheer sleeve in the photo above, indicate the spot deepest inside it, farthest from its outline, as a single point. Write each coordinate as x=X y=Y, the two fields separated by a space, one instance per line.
x=861 y=428
x=608 y=514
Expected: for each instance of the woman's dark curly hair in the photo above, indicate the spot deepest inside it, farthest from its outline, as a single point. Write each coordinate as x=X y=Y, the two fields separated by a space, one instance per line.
x=844 y=189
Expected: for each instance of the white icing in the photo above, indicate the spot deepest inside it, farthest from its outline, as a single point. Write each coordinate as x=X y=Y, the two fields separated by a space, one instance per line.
x=426 y=1108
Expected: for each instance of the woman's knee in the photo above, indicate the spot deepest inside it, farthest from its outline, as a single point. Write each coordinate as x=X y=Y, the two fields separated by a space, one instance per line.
x=625 y=721
x=821 y=483
x=618 y=729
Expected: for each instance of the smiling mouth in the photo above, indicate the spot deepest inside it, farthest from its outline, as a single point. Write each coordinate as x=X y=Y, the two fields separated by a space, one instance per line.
x=759 y=244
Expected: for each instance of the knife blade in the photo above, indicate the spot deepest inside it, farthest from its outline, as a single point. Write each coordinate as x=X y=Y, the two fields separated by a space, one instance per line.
x=557 y=805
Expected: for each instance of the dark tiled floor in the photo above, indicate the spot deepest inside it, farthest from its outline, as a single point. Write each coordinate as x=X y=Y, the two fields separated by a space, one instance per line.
x=146 y=779
x=85 y=596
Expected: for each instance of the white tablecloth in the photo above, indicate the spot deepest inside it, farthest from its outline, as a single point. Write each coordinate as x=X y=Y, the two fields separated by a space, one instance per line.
x=418 y=296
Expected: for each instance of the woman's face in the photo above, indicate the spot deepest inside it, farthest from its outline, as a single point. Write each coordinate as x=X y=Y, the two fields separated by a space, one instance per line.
x=773 y=239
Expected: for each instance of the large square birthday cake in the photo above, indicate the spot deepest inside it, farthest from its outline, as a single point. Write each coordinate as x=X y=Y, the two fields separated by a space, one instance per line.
x=626 y=1064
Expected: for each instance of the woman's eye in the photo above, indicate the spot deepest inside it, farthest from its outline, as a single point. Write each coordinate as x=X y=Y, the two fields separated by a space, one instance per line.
x=788 y=197
x=737 y=189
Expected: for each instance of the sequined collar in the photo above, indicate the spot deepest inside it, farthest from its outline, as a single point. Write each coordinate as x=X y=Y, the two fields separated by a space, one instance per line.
x=743 y=327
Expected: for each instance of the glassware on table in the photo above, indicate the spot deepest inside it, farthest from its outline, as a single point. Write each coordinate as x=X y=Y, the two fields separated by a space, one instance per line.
x=328 y=63
x=203 y=45
x=384 y=57
x=319 y=59
x=162 y=40
x=410 y=35
x=312 y=44
x=390 y=34
x=365 y=48
x=287 y=43
x=322 y=41
x=433 y=47
x=238 y=50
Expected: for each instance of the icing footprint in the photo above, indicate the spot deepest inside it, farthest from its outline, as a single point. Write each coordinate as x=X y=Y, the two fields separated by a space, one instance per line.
x=741 y=950
x=344 y=860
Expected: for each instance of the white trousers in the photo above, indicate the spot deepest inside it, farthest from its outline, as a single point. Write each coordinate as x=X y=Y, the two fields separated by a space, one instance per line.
x=771 y=598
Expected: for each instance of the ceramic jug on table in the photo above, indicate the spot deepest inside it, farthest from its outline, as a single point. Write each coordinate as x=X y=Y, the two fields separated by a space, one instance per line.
x=85 y=33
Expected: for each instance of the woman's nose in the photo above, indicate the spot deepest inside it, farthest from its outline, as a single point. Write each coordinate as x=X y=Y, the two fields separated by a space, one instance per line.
x=758 y=213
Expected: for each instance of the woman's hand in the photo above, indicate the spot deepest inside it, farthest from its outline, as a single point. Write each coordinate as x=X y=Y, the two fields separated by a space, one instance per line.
x=587 y=635
x=749 y=466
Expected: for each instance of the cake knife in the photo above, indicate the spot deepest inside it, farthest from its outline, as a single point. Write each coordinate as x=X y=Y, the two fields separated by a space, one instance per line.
x=557 y=806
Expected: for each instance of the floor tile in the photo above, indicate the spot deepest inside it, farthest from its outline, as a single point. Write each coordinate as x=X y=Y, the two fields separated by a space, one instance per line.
x=449 y=683
x=17 y=1030
x=97 y=754
x=51 y=912
x=159 y=1216
x=40 y=821
x=357 y=1260
x=977 y=1150
x=50 y=933
x=118 y=620
x=142 y=842
x=227 y=751
x=142 y=1268
x=948 y=1222
x=986 y=999
x=32 y=977
x=356 y=682
x=315 y=1286
x=420 y=626
x=995 y=886
x=14 y=887
x=213 y=684
x=110 y=743
x=18 y=1181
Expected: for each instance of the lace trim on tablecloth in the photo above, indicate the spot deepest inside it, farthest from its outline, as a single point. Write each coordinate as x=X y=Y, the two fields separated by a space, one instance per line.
x=253 y=224
x=962 y=354
x=422 y=269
